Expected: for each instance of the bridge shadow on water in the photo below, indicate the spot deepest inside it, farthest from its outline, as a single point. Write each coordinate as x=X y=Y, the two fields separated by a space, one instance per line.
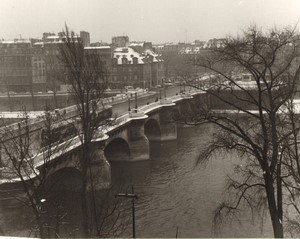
x=131 y=173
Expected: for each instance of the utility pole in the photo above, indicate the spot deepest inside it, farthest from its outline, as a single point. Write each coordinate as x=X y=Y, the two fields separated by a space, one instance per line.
x=133 y=197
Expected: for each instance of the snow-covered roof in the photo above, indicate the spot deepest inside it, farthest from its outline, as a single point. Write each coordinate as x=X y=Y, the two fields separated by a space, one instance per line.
x=97 y=47
x=136 y=44
x=38 y=43
x=156 y=57
x=17 y=41
x=53 y=37
x=129 y=53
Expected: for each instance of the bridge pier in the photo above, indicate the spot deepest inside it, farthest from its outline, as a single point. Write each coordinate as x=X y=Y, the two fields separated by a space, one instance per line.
x=138 y=142
x=168 y=128
x=184 y=110
x=100 y=170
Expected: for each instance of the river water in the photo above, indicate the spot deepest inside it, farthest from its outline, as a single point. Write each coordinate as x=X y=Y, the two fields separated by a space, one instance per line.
x=173 y=193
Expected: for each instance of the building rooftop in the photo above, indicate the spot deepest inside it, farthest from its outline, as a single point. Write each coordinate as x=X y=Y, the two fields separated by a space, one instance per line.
x=16 y=41
x=129 y=53
x=97 y=47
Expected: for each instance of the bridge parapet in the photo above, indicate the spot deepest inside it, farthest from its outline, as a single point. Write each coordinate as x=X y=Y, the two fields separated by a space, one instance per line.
x=136 y=113
x=186 y=95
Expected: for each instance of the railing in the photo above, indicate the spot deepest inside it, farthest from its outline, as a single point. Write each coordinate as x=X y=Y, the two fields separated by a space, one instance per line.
x=68 y=112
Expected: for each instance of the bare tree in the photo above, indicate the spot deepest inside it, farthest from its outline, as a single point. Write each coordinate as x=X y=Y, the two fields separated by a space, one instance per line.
x=54 y=70
x=25 y=146
x=255 y=127
x=87 y=77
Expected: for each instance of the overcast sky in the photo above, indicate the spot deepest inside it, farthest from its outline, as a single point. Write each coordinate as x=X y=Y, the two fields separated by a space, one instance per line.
x=148 y=20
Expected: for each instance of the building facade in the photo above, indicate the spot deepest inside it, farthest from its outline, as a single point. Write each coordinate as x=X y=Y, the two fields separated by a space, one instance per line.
x=120 y=41
x=35 y=66
x=85 y=37
x=38 y=64
x=104 y=53
x=137 y=69
x=15 y=66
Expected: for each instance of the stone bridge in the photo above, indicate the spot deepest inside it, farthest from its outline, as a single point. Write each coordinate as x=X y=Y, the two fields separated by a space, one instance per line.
x=126 y=138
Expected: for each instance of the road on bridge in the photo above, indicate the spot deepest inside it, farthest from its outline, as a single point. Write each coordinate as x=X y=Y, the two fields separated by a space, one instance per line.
x=120 y=108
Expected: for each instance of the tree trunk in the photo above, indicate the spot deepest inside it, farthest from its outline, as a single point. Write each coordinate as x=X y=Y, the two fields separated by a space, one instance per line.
x=55 y=99
x=276 y=221
x=32 y=99
x=84 y=200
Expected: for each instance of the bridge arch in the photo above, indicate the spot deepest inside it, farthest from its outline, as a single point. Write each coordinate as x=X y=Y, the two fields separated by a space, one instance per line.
x=117 y=150
x=152 y=130
x=68 y=178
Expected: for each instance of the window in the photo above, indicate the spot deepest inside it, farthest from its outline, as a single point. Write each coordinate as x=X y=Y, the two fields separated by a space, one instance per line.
x=135 y=60
x=124 y=60
x=114 y=61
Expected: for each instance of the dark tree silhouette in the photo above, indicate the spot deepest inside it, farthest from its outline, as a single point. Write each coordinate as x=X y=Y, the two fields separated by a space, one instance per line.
x=260 y=126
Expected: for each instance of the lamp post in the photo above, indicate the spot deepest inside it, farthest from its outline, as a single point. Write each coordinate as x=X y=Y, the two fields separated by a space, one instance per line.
x=129 y=103
x=164 y=86
x=180 y=85
x=132 y=196
x=159 y=92
x=135 y=95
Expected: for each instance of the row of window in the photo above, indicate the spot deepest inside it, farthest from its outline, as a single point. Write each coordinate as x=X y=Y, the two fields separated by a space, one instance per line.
x=38 y=72
x=124 y=78
x=37 y=58
x=124 y=69
x=38 y=65
x=125 y=61
x=16 y=72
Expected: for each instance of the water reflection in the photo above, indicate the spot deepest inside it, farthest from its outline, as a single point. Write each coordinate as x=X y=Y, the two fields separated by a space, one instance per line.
x=174 y=192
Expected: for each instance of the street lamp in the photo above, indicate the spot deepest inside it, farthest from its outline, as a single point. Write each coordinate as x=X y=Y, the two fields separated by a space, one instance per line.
x=159 y=92
x=129 y=103
x=132 y=196
x=135 y=100
x=164 y=86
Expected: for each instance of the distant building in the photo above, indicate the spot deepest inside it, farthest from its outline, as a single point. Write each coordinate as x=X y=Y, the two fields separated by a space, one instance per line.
x=85 y=37
x=47 y=34
x=99 y=44
x=53 y=66
x=120 y=41
x=215 y=43
x=38 y=68
x=15 y=66
x=130 y=67
x=104 y=53
x=28 y=66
